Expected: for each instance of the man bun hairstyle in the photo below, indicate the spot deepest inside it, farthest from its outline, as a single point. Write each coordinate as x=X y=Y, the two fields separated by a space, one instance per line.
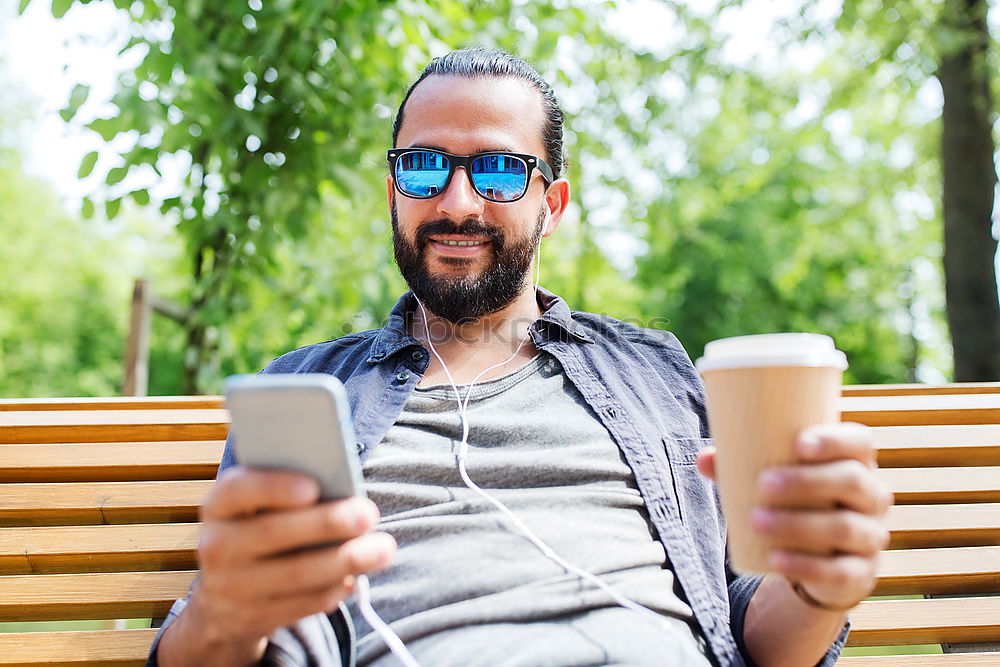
x=489 y=63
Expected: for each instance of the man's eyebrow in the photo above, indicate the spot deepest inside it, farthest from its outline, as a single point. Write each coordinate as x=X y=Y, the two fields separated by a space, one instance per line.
x=476 y=151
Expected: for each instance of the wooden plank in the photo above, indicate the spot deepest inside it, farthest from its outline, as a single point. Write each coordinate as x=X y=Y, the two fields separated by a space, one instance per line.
x=137 y=345
x=955 y=570
x=114 y=403
x=916 y=526
x=107 y=462
x=101 y=502
x=27 y=427
x=124 y=548
x=943 y=485
x=930 y=660
x=938 y=621
x=922 y=410
x=58 y=597
x=108 y=648
x=920 y=389
x=906 y=446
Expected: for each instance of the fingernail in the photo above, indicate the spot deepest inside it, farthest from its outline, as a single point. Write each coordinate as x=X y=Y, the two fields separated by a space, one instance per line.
x=762 y=519
x=386 y=551
x=304 y=490
x=808 y=445
x=771 y=482
x=777 y=559
x=365 y=516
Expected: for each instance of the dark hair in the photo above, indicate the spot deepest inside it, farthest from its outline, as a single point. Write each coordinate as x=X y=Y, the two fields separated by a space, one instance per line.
x=484 y=63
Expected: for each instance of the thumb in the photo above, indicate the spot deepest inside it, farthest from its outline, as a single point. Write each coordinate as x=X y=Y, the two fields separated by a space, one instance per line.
x=706 y=462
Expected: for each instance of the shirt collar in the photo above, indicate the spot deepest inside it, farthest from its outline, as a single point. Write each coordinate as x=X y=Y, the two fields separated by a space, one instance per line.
x=556 y=313
x=393 y=337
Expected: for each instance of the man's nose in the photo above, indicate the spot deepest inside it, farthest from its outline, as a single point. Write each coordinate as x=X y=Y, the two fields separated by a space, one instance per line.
x=460 y=200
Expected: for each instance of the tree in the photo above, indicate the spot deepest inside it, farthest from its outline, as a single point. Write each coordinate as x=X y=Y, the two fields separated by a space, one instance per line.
x=282 y=109
x=783 y=192
x=714 y=197
x=62 y=316
x=970 y=181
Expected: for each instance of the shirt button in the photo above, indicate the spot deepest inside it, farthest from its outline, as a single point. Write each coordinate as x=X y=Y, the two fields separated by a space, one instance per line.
x=402 y=376
x=418 y=355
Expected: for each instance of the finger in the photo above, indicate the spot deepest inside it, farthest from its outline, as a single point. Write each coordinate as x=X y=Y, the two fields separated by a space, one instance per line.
x=231 y=591
x=838 y=581
x=829 y=442
x=706 y=462
x=242 y=491
x=260 y=617
x=321 y=568
x=845 y=483
x=231 y=542
x=829 y=532
x=285 y=611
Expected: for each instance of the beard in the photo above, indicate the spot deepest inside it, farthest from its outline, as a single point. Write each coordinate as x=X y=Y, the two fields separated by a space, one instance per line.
x=466 y=299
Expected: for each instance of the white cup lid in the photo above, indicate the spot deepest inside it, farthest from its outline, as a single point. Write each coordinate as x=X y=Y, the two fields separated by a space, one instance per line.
x=782 y=349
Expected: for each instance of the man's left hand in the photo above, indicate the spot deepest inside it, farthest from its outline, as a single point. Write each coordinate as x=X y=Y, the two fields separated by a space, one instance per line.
x=825 y=513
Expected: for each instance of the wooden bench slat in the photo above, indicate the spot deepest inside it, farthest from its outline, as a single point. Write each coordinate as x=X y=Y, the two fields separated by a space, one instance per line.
x=921 y=389
x=955 y=570
x=979 y=484
x=101 y=502
x=25 y=427
x=932 y=436
x=57 y=597
x=929 y=660
x=108 y=648
x=64 y=549
x=937 y=621
x=929 y=446
x=98 y=462
x=113 y=403
x=922 y=410
x=915 y=526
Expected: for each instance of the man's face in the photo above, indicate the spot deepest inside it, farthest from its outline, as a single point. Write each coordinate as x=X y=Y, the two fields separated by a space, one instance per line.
x=463 y=116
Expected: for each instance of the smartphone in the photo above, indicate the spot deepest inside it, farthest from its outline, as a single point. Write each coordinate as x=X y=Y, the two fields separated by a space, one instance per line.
x=299 y=422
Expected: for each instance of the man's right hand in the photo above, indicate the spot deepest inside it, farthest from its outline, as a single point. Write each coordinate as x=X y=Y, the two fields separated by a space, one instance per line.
x=255 y=576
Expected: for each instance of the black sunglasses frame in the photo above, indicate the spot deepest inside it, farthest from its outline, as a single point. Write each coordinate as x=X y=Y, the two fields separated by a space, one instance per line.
x=465 y=161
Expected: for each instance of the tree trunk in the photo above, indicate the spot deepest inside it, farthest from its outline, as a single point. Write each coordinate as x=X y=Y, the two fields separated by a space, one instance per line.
x=969 y=181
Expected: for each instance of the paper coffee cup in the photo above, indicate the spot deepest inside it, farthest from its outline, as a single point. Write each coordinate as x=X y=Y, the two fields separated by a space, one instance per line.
x=762 y=391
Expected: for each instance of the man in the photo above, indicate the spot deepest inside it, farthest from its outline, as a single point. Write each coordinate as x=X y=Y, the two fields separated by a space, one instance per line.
x=590 y=430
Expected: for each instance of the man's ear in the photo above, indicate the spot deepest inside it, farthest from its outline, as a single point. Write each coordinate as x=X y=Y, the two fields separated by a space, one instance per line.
x=390 y=193
x=556 y=201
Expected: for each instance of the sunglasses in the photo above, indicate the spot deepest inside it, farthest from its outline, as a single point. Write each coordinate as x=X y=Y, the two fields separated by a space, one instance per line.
x=422 y=173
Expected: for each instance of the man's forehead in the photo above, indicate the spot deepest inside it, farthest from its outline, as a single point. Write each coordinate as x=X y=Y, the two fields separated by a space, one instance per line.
x=477 y=113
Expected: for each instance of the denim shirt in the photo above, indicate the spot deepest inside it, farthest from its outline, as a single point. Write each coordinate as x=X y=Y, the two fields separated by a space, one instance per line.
x=643 y=388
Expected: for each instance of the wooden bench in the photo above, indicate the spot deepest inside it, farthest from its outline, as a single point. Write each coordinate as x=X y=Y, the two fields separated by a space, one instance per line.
x=99 y=500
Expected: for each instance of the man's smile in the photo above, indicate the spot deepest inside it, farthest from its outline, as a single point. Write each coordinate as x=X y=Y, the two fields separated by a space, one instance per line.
x=458 y=246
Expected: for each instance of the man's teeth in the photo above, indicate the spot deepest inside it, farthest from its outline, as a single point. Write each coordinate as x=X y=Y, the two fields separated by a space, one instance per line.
x=462 y=242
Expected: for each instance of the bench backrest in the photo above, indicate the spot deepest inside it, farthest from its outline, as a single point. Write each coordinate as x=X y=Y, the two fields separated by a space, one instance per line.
x=99 y=502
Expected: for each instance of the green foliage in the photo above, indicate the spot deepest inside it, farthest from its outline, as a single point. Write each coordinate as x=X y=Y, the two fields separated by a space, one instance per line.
x=713 y=197
x=284 y=111
x=62 y=318
x=780 y=198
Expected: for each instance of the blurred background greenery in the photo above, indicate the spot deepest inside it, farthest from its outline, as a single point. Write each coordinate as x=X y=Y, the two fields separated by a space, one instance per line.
x=738 y=167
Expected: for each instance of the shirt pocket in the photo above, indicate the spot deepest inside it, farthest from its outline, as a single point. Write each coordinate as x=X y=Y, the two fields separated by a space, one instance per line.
x=697 y=496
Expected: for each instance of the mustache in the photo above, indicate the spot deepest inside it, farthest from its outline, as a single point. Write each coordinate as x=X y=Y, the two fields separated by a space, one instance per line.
x=444 y=226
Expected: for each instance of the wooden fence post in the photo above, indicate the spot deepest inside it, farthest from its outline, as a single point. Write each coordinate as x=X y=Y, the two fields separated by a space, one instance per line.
x=137 y=347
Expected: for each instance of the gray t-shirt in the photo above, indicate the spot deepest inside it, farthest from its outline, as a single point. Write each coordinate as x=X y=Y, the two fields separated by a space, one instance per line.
x=466 y=587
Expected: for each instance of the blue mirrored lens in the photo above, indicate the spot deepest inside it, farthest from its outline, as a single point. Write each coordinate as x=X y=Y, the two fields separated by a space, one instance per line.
x=500 y=177
x=421 y=173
